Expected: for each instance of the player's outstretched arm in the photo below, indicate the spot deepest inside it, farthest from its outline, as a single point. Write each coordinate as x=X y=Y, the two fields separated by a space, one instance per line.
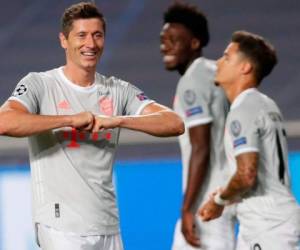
x=155 y=119
x=16 y=121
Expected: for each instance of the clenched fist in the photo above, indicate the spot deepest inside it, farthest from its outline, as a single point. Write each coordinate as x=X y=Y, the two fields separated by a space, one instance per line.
x=83 y=121
x=105 y=122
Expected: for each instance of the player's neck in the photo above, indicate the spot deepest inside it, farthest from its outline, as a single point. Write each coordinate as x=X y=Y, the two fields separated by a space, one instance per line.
x=183 y=68
x=79 y=76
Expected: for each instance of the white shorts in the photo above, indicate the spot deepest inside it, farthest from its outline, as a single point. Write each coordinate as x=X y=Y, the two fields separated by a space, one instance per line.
x=214 y=235
x=51 y=239
x=285 y=236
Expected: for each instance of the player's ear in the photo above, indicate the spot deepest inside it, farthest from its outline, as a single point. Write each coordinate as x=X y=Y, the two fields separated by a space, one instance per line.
x=195 y=44
x=247 y=67
x=63 y=40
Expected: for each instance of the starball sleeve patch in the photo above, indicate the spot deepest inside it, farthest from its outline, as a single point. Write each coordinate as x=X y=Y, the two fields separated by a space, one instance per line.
x=189 y=97
x=235 y=128
x=20 y=90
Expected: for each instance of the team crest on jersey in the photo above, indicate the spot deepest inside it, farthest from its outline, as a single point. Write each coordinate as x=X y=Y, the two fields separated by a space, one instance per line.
x=106 y=106
x=189 y=97
x=20 y=90
x=235 y=128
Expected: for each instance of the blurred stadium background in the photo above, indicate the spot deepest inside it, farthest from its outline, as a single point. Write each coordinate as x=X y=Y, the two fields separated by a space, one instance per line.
x=147 y=173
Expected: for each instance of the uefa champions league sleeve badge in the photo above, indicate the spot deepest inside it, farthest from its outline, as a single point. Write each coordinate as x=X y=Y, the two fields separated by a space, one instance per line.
x=20 y=90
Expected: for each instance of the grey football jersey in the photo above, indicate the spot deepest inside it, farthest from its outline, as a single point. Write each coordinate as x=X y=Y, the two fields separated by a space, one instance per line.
x=72 y=170
x=198 y=101
x=255 y=124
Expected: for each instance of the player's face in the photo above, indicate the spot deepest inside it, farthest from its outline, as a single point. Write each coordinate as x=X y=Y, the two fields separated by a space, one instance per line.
x=85 y=43
x=229 y=66
x=176 y=46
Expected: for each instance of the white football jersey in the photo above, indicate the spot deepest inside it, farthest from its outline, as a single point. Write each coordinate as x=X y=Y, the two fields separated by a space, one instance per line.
x=72 y=170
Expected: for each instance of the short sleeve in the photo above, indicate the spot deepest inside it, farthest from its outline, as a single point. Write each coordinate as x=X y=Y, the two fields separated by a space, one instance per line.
x=245 y=132
x=134 y=99
x=195 y=101
x=28 y=93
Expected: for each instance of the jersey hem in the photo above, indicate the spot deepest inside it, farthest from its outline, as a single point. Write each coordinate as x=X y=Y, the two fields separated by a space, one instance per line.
x=143 y=106
x=198 y=122
x=104 y=230
x=245 y=150
x=12 y=98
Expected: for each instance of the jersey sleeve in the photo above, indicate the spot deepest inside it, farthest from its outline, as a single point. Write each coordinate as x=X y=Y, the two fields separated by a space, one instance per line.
x=28 y=93
x=195 y=101
x=244 y=129
x=134 y=99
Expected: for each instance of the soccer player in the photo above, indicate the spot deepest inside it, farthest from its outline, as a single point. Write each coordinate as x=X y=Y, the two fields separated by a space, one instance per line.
x=255 y=144
x=203 y=107
x=73 y=116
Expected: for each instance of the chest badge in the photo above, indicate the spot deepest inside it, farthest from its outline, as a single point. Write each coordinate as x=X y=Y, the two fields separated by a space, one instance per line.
x=106 y=106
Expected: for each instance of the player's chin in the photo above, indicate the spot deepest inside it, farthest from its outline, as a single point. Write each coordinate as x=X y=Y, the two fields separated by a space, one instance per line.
x=170 y=66
x=90 y=64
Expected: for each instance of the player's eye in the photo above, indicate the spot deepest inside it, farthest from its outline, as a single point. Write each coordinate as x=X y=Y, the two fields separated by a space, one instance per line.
x=81 y=35
x=98 y=35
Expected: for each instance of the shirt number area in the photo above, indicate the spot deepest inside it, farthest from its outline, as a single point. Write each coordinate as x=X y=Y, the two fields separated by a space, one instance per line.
x=280 y=134
x=73 y=137
x=280 y=142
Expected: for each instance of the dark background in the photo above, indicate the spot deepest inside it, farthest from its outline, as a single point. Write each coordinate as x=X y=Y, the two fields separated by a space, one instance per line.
x=29 y=42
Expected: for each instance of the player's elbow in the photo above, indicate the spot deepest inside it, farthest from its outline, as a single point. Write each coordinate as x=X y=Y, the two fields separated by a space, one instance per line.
x=177 y=125
x=8 y=123
x=3 y=125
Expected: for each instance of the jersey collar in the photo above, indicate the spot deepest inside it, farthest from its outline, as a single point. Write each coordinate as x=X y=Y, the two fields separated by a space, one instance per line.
x=90 y=88
x=236 y=102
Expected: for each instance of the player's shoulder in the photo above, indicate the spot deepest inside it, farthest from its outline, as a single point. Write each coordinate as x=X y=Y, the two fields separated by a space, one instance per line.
x=39 y=77
x=199 y=75
x=251 y=104
x=201 y=67
x=112 y=82
x=255 y=100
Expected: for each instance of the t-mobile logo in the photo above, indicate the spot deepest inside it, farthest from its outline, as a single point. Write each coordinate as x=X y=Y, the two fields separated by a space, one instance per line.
x=75 y=136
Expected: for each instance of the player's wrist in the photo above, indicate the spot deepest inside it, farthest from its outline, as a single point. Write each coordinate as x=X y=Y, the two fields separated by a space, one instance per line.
x=118 y=121
x=220 y=201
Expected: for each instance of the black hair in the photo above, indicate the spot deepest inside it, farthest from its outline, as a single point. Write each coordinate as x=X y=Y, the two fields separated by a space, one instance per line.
x=191 y=17
x=260 y=52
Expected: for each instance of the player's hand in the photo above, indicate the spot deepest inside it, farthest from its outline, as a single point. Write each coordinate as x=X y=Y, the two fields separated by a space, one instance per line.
x=188 y=228
x=83 y=121
x=105 y=122
x=210 y=210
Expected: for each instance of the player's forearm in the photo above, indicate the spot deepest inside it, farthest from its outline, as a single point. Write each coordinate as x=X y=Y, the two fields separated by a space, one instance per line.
x=161 y=123
x=244 y=179
x=235 y=189
x=20 y=124
x=197 y=173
